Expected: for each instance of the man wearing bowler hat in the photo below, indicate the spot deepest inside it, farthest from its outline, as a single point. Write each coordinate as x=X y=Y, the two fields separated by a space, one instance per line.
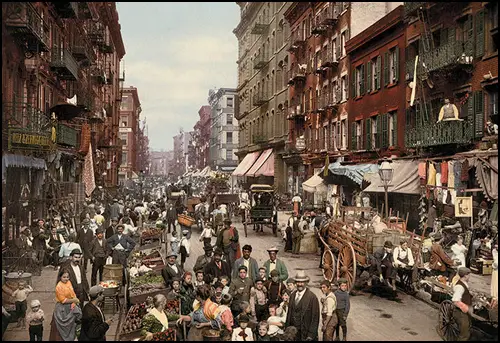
x=303 y=312
x=98 y=254
x=275 y=264
x=84 y=237
x=172 y=270
x=77 y=275
x=204 y=259
x=383 y=258
x=228 y=241
x=121 y=245
x=216 y=268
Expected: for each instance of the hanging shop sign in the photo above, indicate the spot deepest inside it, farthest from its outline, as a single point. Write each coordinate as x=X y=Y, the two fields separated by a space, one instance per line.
x=463 y=207
x=21 y=139
x=300 y=144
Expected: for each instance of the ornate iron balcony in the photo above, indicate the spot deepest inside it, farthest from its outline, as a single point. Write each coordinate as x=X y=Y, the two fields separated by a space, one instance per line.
x=21 y=115
x=27 y=26
x=64 y=64
x=451 y=55
x=434 y=134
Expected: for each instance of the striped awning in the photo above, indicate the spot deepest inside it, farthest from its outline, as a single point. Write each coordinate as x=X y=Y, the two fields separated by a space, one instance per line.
x=246 y=164
x=255 y=170
x=21 y=161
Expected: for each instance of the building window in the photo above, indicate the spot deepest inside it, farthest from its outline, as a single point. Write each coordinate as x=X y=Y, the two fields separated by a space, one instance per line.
x=229 y=119
x=374 y=135
x=344 y=134
x=393 y=64
x=229 y=154
x=359 y=81
x=493 y=102
x=492 y=27
x=343 y=85
x=338 y=137
x=393 y=138
x=359 y=135
x=124 y=138
x=124 y=158
x=229 y=102
x=229 y=137
x=343 y=37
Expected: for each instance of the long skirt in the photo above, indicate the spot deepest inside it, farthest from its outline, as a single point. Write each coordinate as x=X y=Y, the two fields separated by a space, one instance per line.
x=494 y=284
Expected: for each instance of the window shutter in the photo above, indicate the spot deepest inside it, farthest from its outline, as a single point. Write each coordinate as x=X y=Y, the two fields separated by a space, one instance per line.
x=353 y=136
x=337 y=47
x=385 y=131
x=338 y=95
x=478 y=114
x=362 y=86
x=386 y=69
x=368 y=76
x=469 y=43
x=368 y=130
x=480 y=34
x=379 y=68
x=396 y=64
x=353 y=83
x=378 y=141
x=347 y=35
x=395 y=129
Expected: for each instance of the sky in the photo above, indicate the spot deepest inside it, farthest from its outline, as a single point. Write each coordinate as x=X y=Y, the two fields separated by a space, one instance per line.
x=175 y=53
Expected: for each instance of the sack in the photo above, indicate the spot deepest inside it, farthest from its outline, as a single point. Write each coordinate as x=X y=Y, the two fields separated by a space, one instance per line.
x=109 y=260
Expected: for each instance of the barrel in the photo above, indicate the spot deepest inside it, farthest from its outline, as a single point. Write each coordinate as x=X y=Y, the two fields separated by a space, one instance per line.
x=210 y=335
x=113 y=272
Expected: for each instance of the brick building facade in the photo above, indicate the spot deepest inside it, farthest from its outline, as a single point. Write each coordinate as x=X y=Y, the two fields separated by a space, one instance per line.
x=130 y=111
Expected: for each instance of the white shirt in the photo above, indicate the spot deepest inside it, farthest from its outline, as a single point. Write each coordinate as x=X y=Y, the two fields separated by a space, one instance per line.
x=206 y=233
x=246 y=263
x=458 y=253
x=236 y=334
x=186 y=244
x=296 y=199
x=299 y=295
x=275 y=329
x=458 y=291
x=78 y=274
x=400 y=252
x=174 y=267
x=272 y=266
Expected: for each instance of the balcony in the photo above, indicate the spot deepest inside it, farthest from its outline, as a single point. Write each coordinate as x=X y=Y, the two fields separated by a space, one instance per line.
x=435 y=134
x=27 y=26
x=21 y=115
x=328 y=60
x=66 y=10
x=296 y=40
x=96 y=32
x=83 y=53
x=259 y=139
x=99 y=75
x=64 y=64
x=106 y=47
x=296 y=111
x=260 y=61
x=449 y=56
x=297 y=75
x=324 y=20
x=67 y=135
x=410 y=8
x=259 y=99
x=259 y=28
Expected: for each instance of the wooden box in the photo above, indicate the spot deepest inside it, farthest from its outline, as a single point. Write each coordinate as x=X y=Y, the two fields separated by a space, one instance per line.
x=487 y=267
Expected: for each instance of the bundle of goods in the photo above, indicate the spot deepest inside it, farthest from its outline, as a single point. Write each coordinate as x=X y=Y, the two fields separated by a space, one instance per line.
x=185 y=220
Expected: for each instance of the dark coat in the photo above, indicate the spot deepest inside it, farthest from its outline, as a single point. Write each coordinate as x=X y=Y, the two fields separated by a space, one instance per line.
x=306 y=314
x=378 y=258
x=114 y=211
x=85 y=240
x=96 y=250
x=94 y=327
x=39 y=238
x=211 y=271
x=169 y=274
x=72 y=278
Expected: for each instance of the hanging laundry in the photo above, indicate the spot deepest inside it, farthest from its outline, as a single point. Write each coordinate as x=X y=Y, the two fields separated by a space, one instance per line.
x=457 y=170
x=451 y=175
x=444 y=173
x=464 y=176
x=422 y=172
x=438 y=191
x=431 y=179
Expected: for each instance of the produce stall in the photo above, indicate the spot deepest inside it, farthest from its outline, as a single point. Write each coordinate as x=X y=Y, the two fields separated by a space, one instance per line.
x=144 y=286
x=150 y=235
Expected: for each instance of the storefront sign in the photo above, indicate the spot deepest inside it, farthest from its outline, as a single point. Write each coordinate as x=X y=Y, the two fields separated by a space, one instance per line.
x=463 y=207
x=125 y=129
x=300 y=143
x=19 y=139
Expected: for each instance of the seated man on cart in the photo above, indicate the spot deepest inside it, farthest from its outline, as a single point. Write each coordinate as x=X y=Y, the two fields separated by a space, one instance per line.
x=382 y=263
x=403 y=257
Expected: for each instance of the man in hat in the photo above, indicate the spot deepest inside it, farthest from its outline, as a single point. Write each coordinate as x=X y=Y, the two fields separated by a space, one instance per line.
x=274 y=288
x=439 y=260
x=304 y=309
x=114 y=209
x=247 y=261
x=204 y=259
x=84 y=237
x=172 y=270
x=98 y=254
x=121 y=245
x=54 y=243
x=275 y=263
x=94 y=324
x=228 y=241
x=39 y=235
x=111 y=230
x=171 y=216
x=184 y=247
x=216 y=268
x=462 y=299
x=77 y=275
x=382 y=263
x=343 y=307
x=240 y=289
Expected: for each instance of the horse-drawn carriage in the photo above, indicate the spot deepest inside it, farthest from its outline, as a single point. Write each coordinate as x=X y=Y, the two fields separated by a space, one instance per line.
x=262 y=211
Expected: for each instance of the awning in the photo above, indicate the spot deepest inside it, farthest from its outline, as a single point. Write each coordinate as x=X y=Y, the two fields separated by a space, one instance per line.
x=405 y=179
x=354 y=172
x=246 y=164
x=21 y=161
x=196 y=173
x=255 y=170
x=315 y=185
x=66 y=111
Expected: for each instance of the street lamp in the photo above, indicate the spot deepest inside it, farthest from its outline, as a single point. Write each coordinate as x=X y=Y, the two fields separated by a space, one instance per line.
x=386 y=172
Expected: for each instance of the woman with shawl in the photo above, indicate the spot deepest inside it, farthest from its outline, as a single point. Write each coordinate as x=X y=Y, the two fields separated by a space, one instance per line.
x=67 y=311
x=156 y=320
x=204 y=315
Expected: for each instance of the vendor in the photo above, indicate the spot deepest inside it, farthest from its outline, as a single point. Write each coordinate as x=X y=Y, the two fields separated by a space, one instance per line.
x=156 y=320
x=439 y=260
x=121 y=245
x=462 y=299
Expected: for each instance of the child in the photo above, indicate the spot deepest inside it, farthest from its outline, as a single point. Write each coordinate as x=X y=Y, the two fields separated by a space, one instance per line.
x=242 y=333
x=290 y=285
x=199 y=279
x=20 y=295
x=174 y=243
x=35 y=321
x=184 y=247
x=225 y=281
x=226 y=317
x=263 y=332
x=343 y=306
x=282 y=310
x=258 y=300
x=275 y=322
x=174 y=292
x=328 y=306
x=262 y=274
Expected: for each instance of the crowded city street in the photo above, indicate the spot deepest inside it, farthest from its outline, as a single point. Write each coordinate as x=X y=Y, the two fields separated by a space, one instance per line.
x=250 y=171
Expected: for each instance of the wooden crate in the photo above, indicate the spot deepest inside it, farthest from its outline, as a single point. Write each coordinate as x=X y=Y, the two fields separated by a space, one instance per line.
x=487 y=268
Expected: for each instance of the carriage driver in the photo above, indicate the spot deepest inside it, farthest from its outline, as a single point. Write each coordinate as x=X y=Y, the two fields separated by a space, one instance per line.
x=462 y=299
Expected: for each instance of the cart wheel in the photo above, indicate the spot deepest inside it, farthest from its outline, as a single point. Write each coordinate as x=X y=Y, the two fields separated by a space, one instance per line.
x=346 y=265
x=447 y=326
x=329 y=265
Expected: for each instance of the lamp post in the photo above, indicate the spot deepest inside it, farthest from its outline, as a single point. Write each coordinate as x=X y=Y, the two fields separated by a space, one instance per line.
x=386 y=172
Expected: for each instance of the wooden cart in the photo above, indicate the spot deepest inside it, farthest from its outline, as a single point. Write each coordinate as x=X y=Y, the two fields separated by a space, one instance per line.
x=263 y=210
x=348 y=249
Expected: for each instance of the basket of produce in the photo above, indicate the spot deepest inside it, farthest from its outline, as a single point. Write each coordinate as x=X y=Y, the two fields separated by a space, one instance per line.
x=134 y=317
x=146 y=279
x=167 y=335
x=111 y=287
x=185 y=220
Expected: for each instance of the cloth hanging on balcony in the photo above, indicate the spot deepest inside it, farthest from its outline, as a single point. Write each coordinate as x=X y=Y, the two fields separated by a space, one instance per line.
x=88 y=172
x=405 y=179
x=85 y=138
x=21 y=161
x=246 y=163
x=255 y=169
x=314 y=184
x=487 y=175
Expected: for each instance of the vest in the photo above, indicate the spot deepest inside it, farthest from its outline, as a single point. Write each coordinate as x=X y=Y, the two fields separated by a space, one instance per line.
x=466 y=297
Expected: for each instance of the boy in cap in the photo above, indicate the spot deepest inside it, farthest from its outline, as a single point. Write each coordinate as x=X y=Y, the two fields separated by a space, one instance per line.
x=240 y=289
x=242 y=333
x=35 y=320
x=462 y=299
x=203 y=260
x=258 y=300
x=383 y=257
x=343 y=307
x=94 y=324
x=274 y=288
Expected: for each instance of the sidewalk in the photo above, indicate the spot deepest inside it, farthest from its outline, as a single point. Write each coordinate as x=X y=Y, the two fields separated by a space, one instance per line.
x=44 y=290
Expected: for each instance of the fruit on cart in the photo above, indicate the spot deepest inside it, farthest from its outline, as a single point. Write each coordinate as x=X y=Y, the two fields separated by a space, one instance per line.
x=167 y=335
x=151 y=233
x=148 y=278
x=109 y=284
x=134 y=317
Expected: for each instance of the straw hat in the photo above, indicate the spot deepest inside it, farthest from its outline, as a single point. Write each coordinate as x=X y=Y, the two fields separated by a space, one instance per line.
x=301 y=276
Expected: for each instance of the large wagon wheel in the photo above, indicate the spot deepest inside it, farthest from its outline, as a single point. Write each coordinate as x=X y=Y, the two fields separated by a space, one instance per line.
x=329 y=265
x=447 y=327
x=346 y=265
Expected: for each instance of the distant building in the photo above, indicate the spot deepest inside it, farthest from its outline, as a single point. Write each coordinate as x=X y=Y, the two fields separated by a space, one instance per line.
x=224 y=129
x=160 y=161
x=200 y=156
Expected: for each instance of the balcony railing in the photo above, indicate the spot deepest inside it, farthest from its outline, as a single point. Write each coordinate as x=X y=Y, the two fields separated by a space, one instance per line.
x=259 y=99
x=64 y=64
x=324 y=20
x=83 y=53
x=66 y=9
x=296 y=111
x=260 y=61
x=450 y=55
x=411 y=7
x=446 y=132
x=99 y=75
x=259 y=139
x=296 y=40
x=24 y=22
x=67 y=135
x=96 y=32
x=327 y=59
x=21 y=115
x=296 y=74
x=259 y=28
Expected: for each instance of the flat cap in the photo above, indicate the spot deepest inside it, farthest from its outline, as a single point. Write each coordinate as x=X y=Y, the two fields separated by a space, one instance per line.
x=242 y=267
x=96 y=290
x=274 y=273
x=75 y=252
x=462 y=271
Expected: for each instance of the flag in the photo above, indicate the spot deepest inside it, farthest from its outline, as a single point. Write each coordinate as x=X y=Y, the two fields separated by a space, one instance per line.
x=88 y=172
